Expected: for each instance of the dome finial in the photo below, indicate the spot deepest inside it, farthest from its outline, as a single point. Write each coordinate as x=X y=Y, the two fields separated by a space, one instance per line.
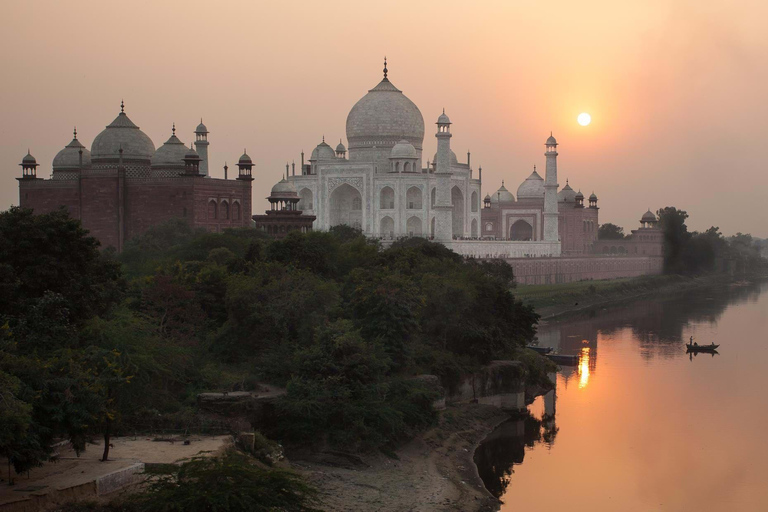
x=75 y=132
x=323 y=139
x=534 y=167
x=566 y=181
x=385 y=67
x=173 y=130
x=502 y=183
x=122 y=107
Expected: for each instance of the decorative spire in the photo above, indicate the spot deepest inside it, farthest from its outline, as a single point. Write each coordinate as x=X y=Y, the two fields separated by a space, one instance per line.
x=173 y=130
x=122 y=107
x=534 y=167
x=566 y=181
x=75 y=132
x=385 y=67
x=323 y=138
x=502 y=183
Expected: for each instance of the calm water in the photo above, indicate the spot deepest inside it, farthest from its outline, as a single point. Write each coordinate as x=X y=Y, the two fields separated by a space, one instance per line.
x=639 y=425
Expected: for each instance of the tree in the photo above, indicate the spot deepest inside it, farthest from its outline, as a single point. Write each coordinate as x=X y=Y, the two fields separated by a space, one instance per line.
x=610 y=231
x=676 y=235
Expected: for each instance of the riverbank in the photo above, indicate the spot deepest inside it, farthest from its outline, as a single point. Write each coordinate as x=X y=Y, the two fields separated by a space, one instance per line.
x=560 y=300
x=433 y=472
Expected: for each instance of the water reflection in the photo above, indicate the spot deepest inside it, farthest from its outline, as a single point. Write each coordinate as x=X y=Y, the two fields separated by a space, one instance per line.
x=644 y=419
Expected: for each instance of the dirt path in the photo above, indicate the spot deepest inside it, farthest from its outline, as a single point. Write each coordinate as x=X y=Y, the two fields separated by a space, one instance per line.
x=434 y=472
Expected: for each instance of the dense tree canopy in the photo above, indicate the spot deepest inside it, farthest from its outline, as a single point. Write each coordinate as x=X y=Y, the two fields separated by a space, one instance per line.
x=610 y=231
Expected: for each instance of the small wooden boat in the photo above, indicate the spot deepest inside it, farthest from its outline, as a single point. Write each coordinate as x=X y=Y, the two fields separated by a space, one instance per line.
x=693 y=347
x=541 y=350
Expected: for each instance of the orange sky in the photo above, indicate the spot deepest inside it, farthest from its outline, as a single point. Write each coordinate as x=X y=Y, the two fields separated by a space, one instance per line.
x=676 y=89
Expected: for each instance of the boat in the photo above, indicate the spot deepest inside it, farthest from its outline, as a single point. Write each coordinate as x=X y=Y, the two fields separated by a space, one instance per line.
x=541 y=350
x=691 y=347
x=564 y=360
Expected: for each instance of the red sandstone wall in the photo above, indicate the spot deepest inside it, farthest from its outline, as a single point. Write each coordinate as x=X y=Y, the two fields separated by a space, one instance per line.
x=46 y=196
x=100 y=208
x=220 y=191
x=151 y=201
x=579 y=268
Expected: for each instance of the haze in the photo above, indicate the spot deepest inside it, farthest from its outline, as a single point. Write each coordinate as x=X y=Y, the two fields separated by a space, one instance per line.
x=676 y=90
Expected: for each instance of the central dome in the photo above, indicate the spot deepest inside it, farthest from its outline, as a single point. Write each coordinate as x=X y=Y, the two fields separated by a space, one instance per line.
x=383 y=117
x=122 y=134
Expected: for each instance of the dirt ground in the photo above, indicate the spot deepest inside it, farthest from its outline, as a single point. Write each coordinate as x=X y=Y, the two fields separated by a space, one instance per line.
x=70 y=470
x=435 y=471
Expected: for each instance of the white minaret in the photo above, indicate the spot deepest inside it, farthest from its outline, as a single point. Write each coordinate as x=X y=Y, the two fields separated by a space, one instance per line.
x=443 y=206
x=201 y=145
x=550 y=192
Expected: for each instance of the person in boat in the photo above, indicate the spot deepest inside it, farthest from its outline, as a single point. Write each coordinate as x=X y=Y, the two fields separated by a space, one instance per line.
x=694 y=343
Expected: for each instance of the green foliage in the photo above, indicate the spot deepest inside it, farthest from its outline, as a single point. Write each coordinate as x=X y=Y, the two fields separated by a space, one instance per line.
x=610 y=231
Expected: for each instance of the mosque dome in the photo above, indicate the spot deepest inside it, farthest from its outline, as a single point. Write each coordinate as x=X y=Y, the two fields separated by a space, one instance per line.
x=532 y=187
x=454 y=160
x=323 y=152
x=383 y=117
x=648 y=217
x=245 y=159
x=69 y=157
x=171 y=153
x=340 y=148
x=122 y=133
x=201 y=128
x=502 y=196
x=284 y=188
x=403 y=149
x=567 y=194
x=579 y=195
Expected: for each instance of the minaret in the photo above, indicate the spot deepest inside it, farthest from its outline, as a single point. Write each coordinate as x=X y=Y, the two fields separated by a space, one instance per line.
x=550 y=192
x=443 y=207
x=201 y=146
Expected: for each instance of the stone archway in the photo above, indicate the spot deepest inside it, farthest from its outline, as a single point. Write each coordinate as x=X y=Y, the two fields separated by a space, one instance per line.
x=413 y=198
x=387 y=227
x=521 y=231
x=346 y=206
x=305 y=202
x=457 y=198
x=413 y=226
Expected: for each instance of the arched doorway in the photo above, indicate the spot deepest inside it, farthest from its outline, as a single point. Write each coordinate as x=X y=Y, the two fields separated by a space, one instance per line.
x=474 y=228
x=346 y=207
x=305 y=202
x=387 y=199
x=457 y=198
x=413 y=198
x=413 y=226
x=474 y=202
x=432 y=203
x=387 y=227
x=521 y=231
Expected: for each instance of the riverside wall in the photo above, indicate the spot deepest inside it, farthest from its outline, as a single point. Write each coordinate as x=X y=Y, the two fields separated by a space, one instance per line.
x=567 y=269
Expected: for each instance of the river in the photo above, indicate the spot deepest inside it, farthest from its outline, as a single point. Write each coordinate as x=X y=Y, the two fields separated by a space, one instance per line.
x=639 y=425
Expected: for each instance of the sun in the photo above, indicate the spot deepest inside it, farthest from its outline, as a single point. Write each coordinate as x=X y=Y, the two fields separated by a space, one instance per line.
x=584 y=119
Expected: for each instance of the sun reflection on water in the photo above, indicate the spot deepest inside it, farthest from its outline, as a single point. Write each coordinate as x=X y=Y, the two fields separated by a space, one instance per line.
x=584 y=367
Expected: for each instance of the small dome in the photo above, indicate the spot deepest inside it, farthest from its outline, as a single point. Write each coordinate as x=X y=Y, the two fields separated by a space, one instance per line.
x=579 y=195
x=122 y=133
x=201 y=128
x=340 y=148
x=29 y=159
x=551 y=141
x=648 y=217
x=454 y=160
x=284 y=188
x=443 y=119
x=69 y=157
x=323 y=152
x=531 y=188
x=567 y=194
x=172 y=153
x=403 y=149
x=592 y=197
x=191 y=153
x=487 y=197
x=502 y=196
x=245 y=159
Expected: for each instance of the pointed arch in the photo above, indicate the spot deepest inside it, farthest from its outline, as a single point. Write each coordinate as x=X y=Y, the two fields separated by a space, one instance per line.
x=413 y=198
x=474 y=228
x=387 y=199
x=521 y=231
x=305 y=199
x=413 y=226
x=474 y=202
x=387 y=227
x=457 y=198
x=212 y=209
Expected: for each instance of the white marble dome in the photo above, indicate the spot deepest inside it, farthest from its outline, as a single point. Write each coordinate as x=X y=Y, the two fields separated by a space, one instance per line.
x=323 y=152
x=531 y=188
x=69 y=157
x=454 y=159
x=171 y=153
x=502 y=196
x=284 y=188
x=122 y=133
x=403 y=149
x=383 y=117
x=648 y=217
x=567 y=194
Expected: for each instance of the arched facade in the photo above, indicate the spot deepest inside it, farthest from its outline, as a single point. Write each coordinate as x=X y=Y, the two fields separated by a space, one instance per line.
x=387 y=228
x=413 y=200
x=212 y=209
x=521 y=231
x=413 y=226
x=458 y=211
x=387 y=199
x=305 y=199
x=346 y=206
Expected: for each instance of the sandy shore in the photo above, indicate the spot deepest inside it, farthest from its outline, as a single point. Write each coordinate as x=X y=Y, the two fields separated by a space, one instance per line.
x=433 y=472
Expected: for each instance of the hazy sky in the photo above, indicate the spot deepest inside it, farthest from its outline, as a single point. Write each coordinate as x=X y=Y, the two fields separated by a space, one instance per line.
x=677 y=90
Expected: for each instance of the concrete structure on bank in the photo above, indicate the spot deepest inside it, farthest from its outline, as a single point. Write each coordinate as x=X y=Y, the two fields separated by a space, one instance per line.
x=122 y=186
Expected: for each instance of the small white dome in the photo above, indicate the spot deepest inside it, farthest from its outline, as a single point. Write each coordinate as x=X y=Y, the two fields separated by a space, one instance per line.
x=531 y=188
x=284 y=188
x=567 y=194
x=443 y=119
x=502 y=196
x=403 y=149
x=69 y=157
x=322 y=152
x=201 y=128
x=648 y=217
x=454 y=160
x=172 y=153
x=592 y=197
x=340 y=148
x=551 y=140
